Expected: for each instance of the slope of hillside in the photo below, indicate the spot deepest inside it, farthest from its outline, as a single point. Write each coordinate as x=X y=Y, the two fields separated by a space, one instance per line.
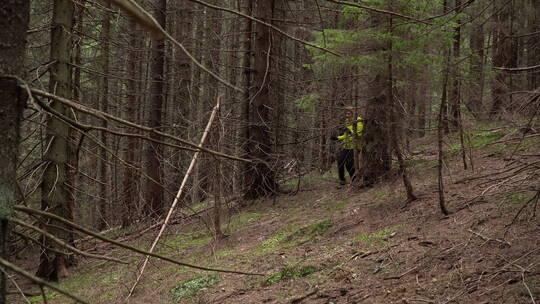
x=325 y=245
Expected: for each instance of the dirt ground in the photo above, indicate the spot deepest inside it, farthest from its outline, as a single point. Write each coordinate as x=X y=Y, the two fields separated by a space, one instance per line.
x=328 y=245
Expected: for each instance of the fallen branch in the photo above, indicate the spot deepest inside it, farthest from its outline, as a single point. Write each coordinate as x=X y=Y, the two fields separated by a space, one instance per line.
x=177 y=197
x=485 y=238
x=401 y=275
x=305 y=296
x=122 y=245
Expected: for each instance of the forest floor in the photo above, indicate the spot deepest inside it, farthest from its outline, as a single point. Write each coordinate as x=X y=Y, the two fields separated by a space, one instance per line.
x=328 y=245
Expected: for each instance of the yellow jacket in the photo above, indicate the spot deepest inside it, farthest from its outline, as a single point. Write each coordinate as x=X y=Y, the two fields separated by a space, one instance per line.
x=347 y=138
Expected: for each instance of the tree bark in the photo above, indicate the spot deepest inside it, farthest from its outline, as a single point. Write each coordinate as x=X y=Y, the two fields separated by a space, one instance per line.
x=14 y=16
x=55 y=189
x=455 y=93
x=502 y=57
x=103 y=206
x=154 y=153
x=261 y=176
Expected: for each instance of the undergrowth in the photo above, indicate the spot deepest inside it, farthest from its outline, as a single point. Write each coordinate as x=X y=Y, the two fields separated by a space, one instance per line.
x=290 y=272
x=192 y=287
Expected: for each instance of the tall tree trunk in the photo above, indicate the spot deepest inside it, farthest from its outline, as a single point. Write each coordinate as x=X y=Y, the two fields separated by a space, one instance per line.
x=455 y=93
x=502 y=57
x=375 y=160
x=131 y=177
x=246 y=7
x=14 y=24
x=56 y=192
x=154 y=191
x=103 y=205
x=475 y=100
x=261 y=176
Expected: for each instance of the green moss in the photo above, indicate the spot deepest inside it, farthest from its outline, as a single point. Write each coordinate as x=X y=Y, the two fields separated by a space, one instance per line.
x=477 y=139
x=290 y=272
x=337 y=206
x=193 y=286
x=377 y=238
x=224 y=253
x=528 y=143
x=310 y=178
x=198 y=207
x=518 y=198
x=39 y=299
x=242 y=220
x=286 y=237
x=110 y=279
x=191 y=240
x=419 y=162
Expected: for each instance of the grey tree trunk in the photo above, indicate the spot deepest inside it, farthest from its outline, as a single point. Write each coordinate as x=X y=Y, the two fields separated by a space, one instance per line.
x=154 y=191
x=261 y=177
x=55 y=189
x=14 y=24
x=103 y=205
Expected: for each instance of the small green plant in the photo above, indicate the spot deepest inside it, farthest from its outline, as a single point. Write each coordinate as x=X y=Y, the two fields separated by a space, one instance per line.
x=378 y=238
x=193 y=286
x=290 y=272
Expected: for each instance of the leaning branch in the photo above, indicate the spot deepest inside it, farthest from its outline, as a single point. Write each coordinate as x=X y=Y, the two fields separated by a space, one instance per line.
x=122 y=245
x=177 y=197
x=105 y=116
x=524 y=69
x=265 y=24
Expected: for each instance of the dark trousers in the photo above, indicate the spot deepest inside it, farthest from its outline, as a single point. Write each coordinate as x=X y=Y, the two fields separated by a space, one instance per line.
x=345 y=161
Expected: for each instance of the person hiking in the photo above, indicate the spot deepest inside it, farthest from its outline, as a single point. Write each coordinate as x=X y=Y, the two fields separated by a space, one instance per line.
x=349 y=144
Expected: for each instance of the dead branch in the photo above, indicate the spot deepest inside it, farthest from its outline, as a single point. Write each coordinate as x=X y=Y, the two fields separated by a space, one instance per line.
x=487 y=239
x=380 y=11
x=305 y=296
x=106 y=116
x=401 y=275
x=64 y=244
x=178 y=195
x=265 y=24
x=39 y=281
x=125 y=246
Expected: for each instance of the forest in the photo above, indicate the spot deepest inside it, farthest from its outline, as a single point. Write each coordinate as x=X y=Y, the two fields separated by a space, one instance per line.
x=270 y=151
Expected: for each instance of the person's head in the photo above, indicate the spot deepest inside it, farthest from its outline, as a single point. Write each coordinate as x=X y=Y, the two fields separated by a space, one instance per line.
x=349 y=112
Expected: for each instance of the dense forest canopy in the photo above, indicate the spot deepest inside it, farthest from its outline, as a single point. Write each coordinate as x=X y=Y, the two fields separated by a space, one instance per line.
x=122 y=113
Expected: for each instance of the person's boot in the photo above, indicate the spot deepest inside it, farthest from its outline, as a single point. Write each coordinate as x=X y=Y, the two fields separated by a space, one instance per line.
x=341 y=184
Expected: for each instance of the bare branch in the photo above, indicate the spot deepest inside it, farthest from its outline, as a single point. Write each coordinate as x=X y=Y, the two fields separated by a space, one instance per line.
x=524 y=69
x=39 y=281
x=265 y=24
x=119 y=244
x=103 y=115
x=377 y=10
x=64 y=244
